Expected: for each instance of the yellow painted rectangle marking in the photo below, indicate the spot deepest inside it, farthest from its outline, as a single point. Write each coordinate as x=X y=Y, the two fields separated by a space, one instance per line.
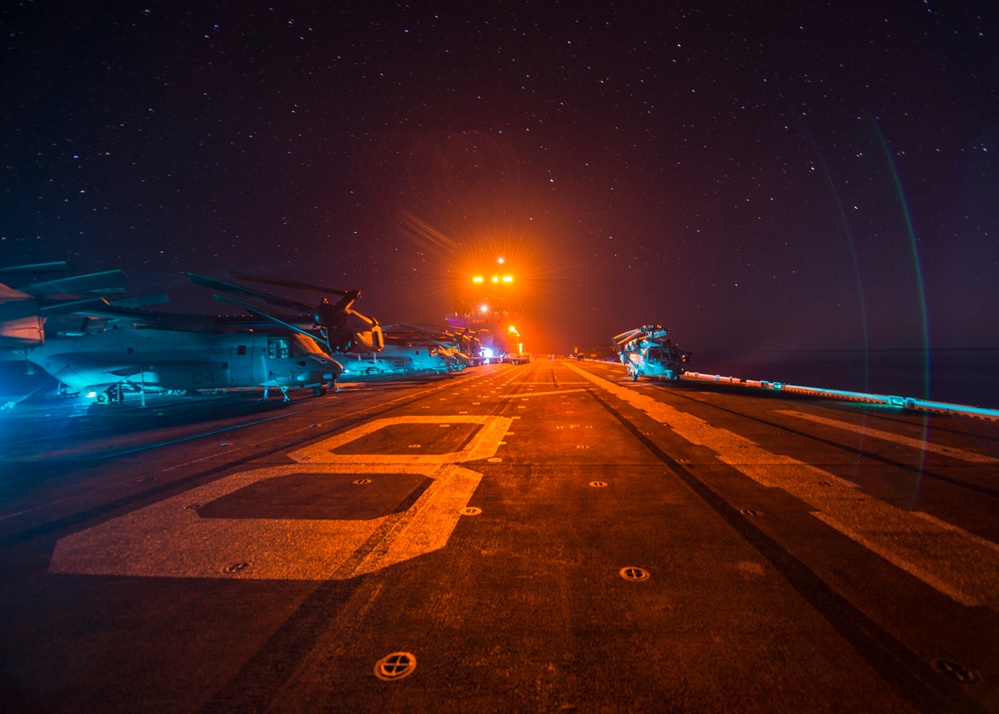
x=170 y=538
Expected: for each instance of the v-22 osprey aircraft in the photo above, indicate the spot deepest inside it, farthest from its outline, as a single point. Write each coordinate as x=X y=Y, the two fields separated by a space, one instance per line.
x=409 y=349
x=336 y=326
x=141 y=359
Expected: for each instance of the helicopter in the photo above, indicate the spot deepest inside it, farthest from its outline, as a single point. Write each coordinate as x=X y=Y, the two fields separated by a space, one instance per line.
x=465 y=342
x=648 y=351
x=336 y=326
x=70 y=329
x=119 y=358
x=409 y=349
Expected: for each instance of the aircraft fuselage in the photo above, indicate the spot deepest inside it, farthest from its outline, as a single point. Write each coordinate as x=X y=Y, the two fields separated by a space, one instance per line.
x=179 y=360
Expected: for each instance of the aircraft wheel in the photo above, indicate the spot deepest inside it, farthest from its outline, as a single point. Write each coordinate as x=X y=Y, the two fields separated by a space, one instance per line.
x=634 y=376
x=318 y=391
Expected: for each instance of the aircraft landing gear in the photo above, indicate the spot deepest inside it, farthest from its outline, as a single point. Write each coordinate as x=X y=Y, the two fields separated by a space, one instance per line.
x=318 y=391
x=284 y=392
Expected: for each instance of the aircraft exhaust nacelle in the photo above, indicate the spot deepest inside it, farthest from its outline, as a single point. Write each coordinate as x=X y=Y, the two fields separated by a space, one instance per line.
x=347 y=330
x=20 y=320
x=359 y=334
x=177 y=360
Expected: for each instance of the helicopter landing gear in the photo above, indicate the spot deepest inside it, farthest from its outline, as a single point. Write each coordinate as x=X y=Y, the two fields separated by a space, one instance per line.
x=318 y=391
x=284 y=392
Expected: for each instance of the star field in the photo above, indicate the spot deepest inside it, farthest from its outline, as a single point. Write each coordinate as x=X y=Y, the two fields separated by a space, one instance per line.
x=820 y=175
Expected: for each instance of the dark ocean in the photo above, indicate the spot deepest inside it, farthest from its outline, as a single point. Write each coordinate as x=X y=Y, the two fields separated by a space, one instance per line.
x=969 y=377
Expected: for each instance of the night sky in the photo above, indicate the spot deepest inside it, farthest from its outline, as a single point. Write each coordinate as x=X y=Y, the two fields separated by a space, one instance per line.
x=752 y=177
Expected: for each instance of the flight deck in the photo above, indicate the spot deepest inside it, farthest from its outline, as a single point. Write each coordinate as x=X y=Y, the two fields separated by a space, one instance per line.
x=541 y=537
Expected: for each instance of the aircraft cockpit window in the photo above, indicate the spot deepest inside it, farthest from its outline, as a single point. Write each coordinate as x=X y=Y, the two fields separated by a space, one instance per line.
x=278 y=348
x=654 y=353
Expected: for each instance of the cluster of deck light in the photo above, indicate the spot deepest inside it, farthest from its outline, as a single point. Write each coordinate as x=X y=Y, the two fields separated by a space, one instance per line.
x=495 y=279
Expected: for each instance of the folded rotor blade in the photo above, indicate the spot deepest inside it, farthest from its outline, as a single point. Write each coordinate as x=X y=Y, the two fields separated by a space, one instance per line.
x=281 y=282
x=68 y=307
x=247 y=292
x=289 y=326
x=107 y=281
x=142 y=300
x=55 y=266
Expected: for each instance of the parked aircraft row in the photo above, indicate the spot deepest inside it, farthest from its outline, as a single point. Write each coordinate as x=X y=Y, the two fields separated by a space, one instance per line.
x=70 y=329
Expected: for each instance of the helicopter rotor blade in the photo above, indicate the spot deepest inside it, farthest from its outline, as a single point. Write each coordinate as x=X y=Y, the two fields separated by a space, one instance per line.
x=314 y=336
x=259 y=312
x=403 y=326
x=256 y=308
x=281 y=282
x=232 y=289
